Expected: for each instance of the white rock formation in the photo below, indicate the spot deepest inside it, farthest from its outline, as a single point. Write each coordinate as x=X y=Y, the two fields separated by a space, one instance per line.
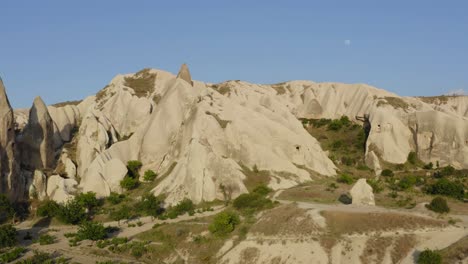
x=362 y=193
x=11 y=182
x=38 y=141
x=66 y=118
x=372 y=161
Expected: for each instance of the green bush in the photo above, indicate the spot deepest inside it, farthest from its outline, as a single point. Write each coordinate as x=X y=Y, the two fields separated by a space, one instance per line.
x=447 y=171
x=7 y=236
x=407 y=182
x=447 y=188
x=91 y=231
x=335 y=125
x=12 y=255
x=129 y=183
x=412 y=158
x=48 y=208
x=115 y=198
x=88 y=200
x=387 y=173
x=150 y=205
x=185 y=206
x=439 y=205
x=321 y=122
x=150 y=176
x=6 y=208
x=262 y=189
x=429 y=257
x=429 y=166
x=39 y=258
x=346 y=179
x=377 y=186
x=250 y=202
x=123 y=213
x=46 y=239
x=133 y=167
x=71 y=213
x=224 y=223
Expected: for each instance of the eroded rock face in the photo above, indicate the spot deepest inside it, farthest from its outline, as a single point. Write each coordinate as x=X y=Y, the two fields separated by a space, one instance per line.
x=372 y=161
x=38 y=141
x=66 y=119
x=59 y=189
x=11 y=182
x=38 y=187
x=362 y=193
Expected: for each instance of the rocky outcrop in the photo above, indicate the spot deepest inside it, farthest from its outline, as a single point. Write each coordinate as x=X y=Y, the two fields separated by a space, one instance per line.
x=110 y=174
x=362 y=193
x=38 y=140
x=11 y=182
x=203 y=140
x=38 y=187
x=66 y=119
x=184 y=74
x=372 y=161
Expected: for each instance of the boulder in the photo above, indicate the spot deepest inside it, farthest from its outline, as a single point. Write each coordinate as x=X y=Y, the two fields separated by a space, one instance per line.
x=112 y=172
x=59 y=189
x=38 y=140
x=11 y=182
x=373 y=162
x=362 y=193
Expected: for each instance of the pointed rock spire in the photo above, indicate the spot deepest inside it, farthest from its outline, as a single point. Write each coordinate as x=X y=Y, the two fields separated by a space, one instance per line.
x=11 y=182
x=184 y=74
x=38 y=150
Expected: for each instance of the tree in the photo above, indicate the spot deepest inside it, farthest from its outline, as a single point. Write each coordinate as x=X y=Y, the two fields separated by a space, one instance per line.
x=429 y=257
x=88 y=200
x=91 y=231
x=122 y=213
x=387 y=173
x=345 y=178
x=439 y=205
x=115 y=198
x=150 y=175
x=412 y=158
x=134 y=167
x=129 y=183
x=224 y=223
x=447 y=188
x=48 y=208
x=150 y=205
x=72 y=213
x=7 y=236
x=6 y=208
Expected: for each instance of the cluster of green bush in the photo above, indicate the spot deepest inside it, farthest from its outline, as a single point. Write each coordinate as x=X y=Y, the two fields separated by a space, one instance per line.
x=45 y=239
x=254 y=201
x=12 y=255
x=71 y=212
x=43 y=258
x=429 y=257
x=131 y=180
x=224 y=223
x=7 y=236
x=346 y=179
x=338 y=124
x=439 y=205
x=446 y=187
x=183 y=207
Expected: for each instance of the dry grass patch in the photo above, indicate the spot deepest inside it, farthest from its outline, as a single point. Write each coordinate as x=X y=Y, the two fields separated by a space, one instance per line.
x=456 y=252
x=142 y=82
x=375 y=249
x=402 y=247
x=340 y=223
x=286 y=220
x=317 y=191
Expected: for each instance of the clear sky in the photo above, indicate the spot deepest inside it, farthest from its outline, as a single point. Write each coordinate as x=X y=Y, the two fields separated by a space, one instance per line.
x=67 y=50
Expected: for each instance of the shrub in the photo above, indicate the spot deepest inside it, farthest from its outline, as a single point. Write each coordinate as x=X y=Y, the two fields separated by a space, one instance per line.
x=7 y=236
x=122 y=213
x=412 y=158
x=12 y=255
x=150 y=205
x=150 y=175
x=224 y=223
x=337 y=144
x=91 y=231
x=39 y=258
x=250 y=202
x=335 y=125
x=387 y=173
x=438 y=205
x=429 y=257
x=185 y=206
x=129 y=183
x=134 y=167
x=115 y=198
x=71 y=213
x=345 y=199
x=407 y=182
x=88 y=200
x=447 y=171
x=377 y=186
x=46 y=239
x=262 y=189
x=447 y=188
x=346 y=179
x=48 y=208
x=6 y=208
x=429 y=166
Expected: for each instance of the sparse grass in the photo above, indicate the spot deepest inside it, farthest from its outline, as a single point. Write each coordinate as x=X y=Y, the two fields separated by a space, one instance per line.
x=142 y=82
x=452 y=253
x=396 y=102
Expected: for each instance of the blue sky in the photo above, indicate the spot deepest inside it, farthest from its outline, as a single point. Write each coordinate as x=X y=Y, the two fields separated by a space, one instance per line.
x=66 y=50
